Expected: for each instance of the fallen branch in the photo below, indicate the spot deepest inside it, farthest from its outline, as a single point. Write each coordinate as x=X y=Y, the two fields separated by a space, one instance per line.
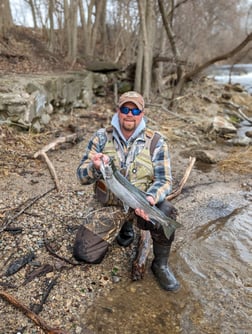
x=19 y=263
x=138 y=267
x=31 y=315
x=30 y=202
x=8 y=122
x=183 y=181
x=237 y=111
x=51 y=169
x=52 y=146
x=61 y=140
x=38 y=272
x=37 y=308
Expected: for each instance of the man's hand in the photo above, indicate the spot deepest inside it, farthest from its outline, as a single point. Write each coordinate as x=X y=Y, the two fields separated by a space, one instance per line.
x=96 y=159
x=141 y=212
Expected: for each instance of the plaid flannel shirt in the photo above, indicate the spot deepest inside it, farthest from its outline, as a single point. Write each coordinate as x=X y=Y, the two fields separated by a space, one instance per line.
x=162 y=184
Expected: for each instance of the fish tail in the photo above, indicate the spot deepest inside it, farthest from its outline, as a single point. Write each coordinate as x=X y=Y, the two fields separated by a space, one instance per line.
x=170 y=228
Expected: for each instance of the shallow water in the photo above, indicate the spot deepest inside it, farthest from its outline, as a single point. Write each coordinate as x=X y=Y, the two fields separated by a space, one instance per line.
x=214 y=267
x=241 y=74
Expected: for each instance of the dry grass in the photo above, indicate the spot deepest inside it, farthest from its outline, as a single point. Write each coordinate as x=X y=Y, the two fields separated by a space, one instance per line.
x=239 y=161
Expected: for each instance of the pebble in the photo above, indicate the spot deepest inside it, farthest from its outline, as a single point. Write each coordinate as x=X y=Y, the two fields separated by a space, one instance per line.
x=116 y=279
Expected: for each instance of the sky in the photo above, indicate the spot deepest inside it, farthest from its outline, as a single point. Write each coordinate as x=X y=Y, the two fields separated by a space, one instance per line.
x=21 y=13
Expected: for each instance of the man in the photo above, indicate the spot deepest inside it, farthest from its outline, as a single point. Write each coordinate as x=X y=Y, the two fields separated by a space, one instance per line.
x=143 y=157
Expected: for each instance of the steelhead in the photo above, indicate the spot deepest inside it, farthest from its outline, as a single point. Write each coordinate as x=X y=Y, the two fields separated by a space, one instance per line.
x=134 y=198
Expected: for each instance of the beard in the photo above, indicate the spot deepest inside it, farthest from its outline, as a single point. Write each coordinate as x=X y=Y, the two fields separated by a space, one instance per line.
x=128 y=125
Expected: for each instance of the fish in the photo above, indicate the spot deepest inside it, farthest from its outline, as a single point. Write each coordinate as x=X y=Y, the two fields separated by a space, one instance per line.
x=132 y=197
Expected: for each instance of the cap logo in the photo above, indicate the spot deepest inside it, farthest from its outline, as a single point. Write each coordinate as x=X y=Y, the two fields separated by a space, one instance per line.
x=131 y=94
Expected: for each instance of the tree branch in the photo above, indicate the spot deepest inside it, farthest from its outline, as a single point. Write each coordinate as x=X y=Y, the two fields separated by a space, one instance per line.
x=31 y=315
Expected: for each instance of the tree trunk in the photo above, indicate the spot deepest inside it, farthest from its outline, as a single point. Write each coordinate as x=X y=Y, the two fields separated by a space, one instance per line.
x=51 y=28
x=139 y=64
x=6 y=21
x=70 y=12
x=145 y=52
x=212 y=61
x=100 y=7
x=83 y=26
x=31 y=4
x=88 y=38
x=171 y=38
x=158 y=68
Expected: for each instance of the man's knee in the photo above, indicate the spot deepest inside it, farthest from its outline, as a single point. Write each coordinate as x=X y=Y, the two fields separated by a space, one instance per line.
x=168 y=209
x=88 y=246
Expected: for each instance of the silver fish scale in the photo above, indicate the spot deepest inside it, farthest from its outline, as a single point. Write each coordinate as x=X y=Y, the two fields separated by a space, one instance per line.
x=134 y=198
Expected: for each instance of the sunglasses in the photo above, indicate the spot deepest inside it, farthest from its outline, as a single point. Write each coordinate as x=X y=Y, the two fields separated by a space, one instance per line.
x=134 y=111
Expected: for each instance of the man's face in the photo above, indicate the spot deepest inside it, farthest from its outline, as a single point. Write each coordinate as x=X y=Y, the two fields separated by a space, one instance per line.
x=129 y=122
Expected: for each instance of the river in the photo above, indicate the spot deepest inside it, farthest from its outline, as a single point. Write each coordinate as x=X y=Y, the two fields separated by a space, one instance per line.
x=212 y=260
x=241 y=74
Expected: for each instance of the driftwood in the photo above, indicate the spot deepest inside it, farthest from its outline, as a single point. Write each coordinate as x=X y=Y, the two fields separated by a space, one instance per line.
x=144 y=243
x=31 y=315
x=72 y=138
x=183 y=181
x=18 y=264
x=237 y=111
x=38 y=272
x=138 y=267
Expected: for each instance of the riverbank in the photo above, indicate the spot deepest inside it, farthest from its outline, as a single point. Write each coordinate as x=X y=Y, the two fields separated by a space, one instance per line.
x=45 y=221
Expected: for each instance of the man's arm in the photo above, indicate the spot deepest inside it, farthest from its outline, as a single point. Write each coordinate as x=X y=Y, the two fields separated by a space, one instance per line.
x=162 y=185
x=87 y=171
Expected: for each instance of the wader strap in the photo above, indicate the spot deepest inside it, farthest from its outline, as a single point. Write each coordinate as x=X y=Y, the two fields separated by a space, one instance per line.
x=154 y=141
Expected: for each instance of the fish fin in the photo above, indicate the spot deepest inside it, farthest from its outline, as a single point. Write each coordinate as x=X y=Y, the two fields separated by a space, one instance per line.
x=126 y=208
x=170 y=228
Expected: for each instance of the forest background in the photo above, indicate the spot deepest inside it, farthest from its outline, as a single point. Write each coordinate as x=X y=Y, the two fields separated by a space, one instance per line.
x=162 y=40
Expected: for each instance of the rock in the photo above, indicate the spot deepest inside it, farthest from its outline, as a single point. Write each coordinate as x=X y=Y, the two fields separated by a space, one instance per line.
x=240 y=141
x=243 y=99
x=222 y=126
x=206 y=156
x=103 y=66
x=248 y=134
x=30 y=100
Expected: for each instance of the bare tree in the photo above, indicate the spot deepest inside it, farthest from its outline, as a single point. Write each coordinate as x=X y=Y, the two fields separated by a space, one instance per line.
x=6 y=21
x=145 y=47
x=33 y=11
x=70 y=11
x=171 y=35
x=51 y=27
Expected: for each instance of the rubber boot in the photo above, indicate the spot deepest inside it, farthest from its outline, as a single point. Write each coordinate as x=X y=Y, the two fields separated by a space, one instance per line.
x=160 y=268
x=126 y=234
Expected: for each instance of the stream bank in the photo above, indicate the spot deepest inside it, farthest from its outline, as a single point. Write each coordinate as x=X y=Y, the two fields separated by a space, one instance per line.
x=211 y=255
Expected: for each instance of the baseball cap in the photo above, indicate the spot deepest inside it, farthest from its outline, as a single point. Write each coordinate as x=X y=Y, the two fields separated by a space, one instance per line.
x=133 y=97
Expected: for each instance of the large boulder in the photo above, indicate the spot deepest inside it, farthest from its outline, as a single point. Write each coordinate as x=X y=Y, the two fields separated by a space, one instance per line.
x=30 y=100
